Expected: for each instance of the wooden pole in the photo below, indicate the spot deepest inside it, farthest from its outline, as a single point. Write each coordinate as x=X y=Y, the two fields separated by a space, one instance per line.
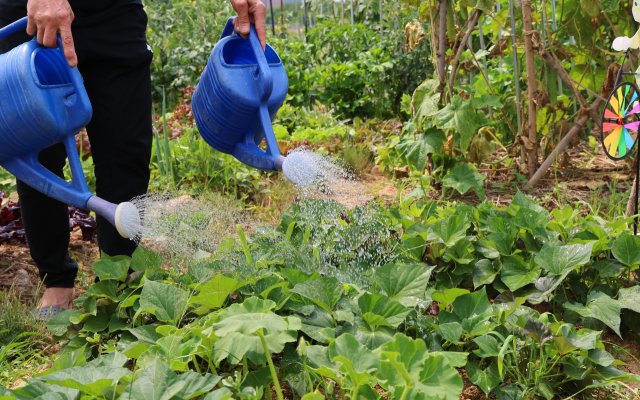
x=516 y=74
x=442 y=42
x=532 y=153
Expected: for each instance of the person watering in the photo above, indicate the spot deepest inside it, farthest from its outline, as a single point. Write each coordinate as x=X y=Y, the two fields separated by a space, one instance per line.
x=106 y=40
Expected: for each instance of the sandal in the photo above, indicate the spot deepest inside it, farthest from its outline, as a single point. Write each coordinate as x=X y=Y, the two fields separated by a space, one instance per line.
x=46 y=313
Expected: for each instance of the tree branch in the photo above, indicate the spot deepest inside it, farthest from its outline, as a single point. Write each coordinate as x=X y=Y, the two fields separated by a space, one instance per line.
x=465 y=39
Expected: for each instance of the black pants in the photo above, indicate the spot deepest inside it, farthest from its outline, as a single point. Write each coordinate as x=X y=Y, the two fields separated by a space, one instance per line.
x=114 y=60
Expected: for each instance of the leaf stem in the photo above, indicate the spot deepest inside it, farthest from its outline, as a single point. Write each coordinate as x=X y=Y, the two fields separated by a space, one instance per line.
x=274 y=375
x=245 y=367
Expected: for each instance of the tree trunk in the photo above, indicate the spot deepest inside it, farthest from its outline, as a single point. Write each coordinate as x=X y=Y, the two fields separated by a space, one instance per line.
x=442 y=42
x=532 y=153
x=463 y=43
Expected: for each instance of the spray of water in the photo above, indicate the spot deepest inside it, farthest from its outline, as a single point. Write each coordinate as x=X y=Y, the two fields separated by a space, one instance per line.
x=185 y=227
x=338 y=234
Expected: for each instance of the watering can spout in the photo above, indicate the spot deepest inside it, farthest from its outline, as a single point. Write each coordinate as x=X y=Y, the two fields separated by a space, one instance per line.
x=124 y=216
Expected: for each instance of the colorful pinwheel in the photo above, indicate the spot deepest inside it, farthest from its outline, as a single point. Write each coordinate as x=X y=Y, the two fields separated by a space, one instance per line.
x=618 y=122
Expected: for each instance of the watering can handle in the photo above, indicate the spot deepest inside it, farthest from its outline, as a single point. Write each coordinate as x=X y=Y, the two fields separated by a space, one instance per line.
x=21 y=24
x=262 y=76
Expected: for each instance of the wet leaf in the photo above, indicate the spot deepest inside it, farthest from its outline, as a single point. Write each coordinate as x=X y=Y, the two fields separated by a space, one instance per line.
x=601 y=307
x=487 y=379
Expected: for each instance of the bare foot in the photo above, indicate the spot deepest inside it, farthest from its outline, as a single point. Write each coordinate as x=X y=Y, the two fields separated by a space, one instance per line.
x=58 y=297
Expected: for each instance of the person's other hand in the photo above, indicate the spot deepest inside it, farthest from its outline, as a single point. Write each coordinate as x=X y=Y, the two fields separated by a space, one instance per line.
x=249 y=11
x=47 y=18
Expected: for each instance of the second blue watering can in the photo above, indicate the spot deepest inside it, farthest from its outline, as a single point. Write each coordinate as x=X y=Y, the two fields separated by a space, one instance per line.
x=239 y=93
x=43 y=102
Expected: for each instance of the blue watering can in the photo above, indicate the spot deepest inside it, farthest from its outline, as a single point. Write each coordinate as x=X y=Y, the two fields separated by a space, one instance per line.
x=239 y=93
x=43 y=102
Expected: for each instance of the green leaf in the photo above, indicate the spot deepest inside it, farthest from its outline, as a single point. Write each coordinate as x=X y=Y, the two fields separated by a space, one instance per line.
x=357 y=361
x=390 y=311
x=448 y=296
x=252 y=315
x=320 y=362
x=558 y=260
x=424 y=103
x=459 y=115
x=486 y=100
x=600 y=357
x=415 y=247
x=464 y=177
x=609 y=5
x=487 y=346
x=516 y=273
x=91 y=381
x=537 y=330
x=601 y=307
x=451 y=229
x=502 y=242
x=174 y=350
x=143 y=259
x=626 y=249
x=324 y=291
x=234 y=346
x=105 y=269
x=96 y=323
x=214 y=293
x=630 y=298
x=404 y=283
x=370 y=336
x=58 y=324
x=472 y=304
x=315 y=322
x=484 y=273
x=451 y=331
x=167 y=302
x=146 y=334
x=220 y=394
x=113 y=359
x=159 y=382
x=37 y=388
x=416 y=151
x=487 y=380
x=609 y=268
x=105 y=288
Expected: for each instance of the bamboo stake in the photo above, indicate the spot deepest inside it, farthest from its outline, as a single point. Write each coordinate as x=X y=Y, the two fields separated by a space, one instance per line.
x=442 y=42
x=516 y=74
x=532 y=156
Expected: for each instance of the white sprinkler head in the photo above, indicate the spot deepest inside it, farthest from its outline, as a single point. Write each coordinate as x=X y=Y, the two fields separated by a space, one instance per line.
x=300 y=168
x=127 y=220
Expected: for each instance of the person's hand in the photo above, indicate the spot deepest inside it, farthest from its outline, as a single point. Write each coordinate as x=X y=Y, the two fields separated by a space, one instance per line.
x=47 y=18
x=249 y=11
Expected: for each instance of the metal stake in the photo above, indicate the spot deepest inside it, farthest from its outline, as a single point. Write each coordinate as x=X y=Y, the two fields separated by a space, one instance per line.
x=342 y=12
x=297 y=17
x=273 y=26
x=351 y=12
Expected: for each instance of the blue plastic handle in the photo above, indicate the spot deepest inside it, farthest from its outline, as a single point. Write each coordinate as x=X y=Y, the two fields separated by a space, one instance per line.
x=28 y=169
x=17 y=26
